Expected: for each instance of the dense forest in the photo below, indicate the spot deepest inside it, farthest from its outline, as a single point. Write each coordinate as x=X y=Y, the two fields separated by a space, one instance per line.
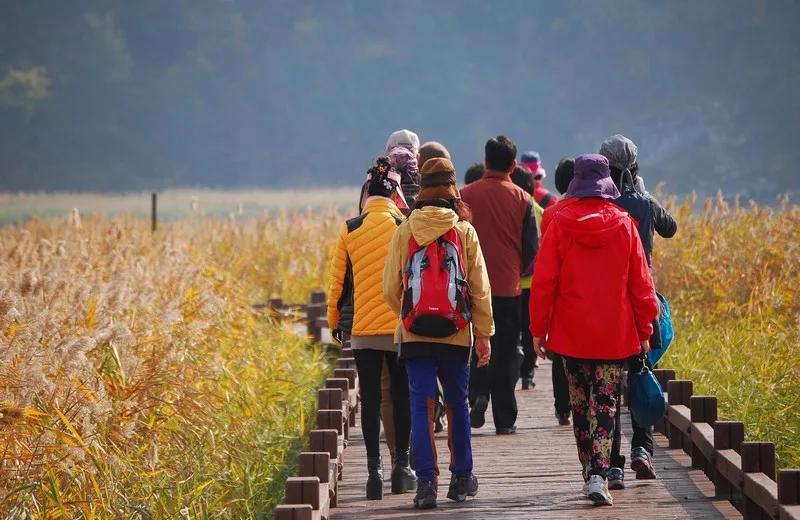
x=114 y=95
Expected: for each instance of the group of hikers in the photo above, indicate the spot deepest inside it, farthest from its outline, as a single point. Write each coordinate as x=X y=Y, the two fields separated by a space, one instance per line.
x=449 y=296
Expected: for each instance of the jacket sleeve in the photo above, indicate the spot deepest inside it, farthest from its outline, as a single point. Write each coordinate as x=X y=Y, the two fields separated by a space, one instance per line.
x=530 y=236
x=544 y=284
x=338 y=270
x=663 y=222
x=641 y=292
x=480 y=290
x=393 y=272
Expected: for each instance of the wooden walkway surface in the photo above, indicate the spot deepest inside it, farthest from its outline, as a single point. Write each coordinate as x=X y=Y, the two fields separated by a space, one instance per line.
x=535 y=474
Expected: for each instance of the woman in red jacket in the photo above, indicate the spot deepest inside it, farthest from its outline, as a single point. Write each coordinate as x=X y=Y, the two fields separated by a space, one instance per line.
x=593 y=300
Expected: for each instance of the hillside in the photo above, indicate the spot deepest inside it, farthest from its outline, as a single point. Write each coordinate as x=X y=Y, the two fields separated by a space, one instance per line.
x=113 y=95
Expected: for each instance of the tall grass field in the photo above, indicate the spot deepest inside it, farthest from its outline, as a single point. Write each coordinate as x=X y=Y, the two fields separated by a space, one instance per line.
x=136 y=382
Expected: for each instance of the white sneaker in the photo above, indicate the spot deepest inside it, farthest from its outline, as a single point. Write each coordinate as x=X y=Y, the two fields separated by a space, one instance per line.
x=585 y=490
x=598 y=491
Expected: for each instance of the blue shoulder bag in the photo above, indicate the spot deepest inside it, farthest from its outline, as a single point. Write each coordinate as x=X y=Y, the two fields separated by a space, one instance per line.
x=665 y=329
x=648 y=403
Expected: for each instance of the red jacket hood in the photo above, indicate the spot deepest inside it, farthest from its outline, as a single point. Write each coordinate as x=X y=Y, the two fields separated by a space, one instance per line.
x=591 y=222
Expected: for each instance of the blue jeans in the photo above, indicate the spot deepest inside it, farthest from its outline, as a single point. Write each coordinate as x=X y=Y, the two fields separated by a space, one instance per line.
x=454 y=375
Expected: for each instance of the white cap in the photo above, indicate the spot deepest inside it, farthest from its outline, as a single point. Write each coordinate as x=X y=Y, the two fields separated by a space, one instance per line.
x=404 y=138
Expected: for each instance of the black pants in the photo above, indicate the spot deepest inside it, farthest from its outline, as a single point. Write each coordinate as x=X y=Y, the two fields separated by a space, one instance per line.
x=498 y=380
x=528 y=365
x=560 y=388
x=369 y=364
x=642 y=437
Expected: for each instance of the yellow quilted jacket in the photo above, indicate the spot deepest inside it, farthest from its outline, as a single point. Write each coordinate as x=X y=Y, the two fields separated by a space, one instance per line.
x=362 y=248
x=426 y=225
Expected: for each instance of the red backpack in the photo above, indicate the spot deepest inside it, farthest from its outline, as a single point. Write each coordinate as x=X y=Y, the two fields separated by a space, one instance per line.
x=436 y=300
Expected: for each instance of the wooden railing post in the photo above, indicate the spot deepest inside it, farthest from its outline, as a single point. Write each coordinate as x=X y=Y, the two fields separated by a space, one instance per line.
x=703 y=409
x=789 y=487
x=678 y=393
x=757 y=457
x=728 y=435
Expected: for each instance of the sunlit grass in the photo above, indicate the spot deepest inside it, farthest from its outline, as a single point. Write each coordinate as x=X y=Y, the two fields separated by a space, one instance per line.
x=135 y=381
x=732 y=275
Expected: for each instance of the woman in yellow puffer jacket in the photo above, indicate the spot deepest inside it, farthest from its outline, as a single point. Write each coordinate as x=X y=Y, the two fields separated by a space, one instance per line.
x=360 y=254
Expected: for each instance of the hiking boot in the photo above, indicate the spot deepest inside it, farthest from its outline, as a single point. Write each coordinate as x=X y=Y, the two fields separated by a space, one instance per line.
x=462 y=487
x=528 y=383
x=598 y=491
x=438 y=414
x=511 y=430
x=375 y=478
x=426 y=495
x=563 y=418
x=616 y=478
x=403 y=479
x=641 y=463
x=477 y=416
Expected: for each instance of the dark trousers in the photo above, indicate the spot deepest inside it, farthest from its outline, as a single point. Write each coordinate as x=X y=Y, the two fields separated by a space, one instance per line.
x=498 y=380
x=454 y=375
x=528 y=365
x=560 y=388
x=642 y=437
x=594 y=397
x=369 y=364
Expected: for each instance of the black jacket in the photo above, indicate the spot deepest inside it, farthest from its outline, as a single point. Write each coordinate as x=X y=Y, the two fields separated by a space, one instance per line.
x=649 y=214
x=651 y=218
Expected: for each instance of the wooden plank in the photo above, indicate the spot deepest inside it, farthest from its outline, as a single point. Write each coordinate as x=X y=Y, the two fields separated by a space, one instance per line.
x=729 y=464
x=789 y=512
x=535 y=474
x=763 y=492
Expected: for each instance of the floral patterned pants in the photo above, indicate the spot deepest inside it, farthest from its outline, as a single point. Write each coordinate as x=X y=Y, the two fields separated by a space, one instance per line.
x=593 y=397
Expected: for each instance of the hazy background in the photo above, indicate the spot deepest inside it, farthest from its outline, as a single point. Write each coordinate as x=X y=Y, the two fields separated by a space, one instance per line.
x=119 y=95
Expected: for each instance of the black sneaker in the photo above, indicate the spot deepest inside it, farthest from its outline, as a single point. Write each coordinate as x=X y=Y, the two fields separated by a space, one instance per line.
x=462 y=487
x=477 y=416
x=528 y=383
x=426 y=496
x=511 y=430
x=563 y=418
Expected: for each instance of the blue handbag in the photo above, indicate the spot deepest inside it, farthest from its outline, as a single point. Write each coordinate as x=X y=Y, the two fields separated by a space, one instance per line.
x=648 y=403
x=665 y=329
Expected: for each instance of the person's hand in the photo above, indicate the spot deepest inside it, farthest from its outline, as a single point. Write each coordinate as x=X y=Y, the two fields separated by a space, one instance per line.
x=484 y=350
x=645 y=346
x=538 y=347
x=337 y=336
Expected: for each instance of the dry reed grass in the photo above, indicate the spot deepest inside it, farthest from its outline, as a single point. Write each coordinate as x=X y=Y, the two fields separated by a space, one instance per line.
x=136 y=382
x=732 y=276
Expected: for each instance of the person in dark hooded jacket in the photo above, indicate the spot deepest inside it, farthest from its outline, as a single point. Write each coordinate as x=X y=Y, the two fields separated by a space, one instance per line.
x=651 y=218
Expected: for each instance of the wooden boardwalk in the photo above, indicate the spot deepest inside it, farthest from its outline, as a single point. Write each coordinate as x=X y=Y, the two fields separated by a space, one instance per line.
x=535 y=474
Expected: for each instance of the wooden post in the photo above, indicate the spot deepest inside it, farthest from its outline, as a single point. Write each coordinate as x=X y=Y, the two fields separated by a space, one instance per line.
x=678 y=392
x=154 y=212
x=704 y=410
x=757 y=457
x=789 y=487
x=728 y=435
